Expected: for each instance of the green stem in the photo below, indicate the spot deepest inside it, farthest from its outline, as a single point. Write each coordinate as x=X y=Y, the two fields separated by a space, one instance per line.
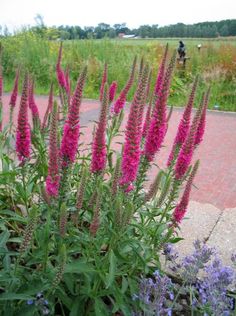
x=45 y=261
x=25 y=197
x=171 y=199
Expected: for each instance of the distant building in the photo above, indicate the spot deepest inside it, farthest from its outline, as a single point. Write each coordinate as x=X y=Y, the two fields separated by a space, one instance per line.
x=123 y=35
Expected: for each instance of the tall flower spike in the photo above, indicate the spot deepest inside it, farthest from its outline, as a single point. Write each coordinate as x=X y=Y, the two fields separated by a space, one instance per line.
x=181 y=208
x=52 y=181
x=202 y=122
x=184 y=124
x=120 y=102
x=131 y=153
x=70 y=138
x=147 y=118
x=95 y=222
x=61 y=78
x=14 y=93
x=185 y=155
x=145 y=78
x=33 y=106
x=116 y=176
x=23 y=140
x=160 y=75
x=1 y=83
x=149 y=83
x=141 y=66
x=112 y=91
x=154 y=187
x=49 y=107
x=99 y=153
x=158 y=124
x=104 y=80
x=1 y=91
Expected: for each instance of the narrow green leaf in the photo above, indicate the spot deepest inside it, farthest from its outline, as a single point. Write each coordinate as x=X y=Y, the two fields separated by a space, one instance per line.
x=14 y=296
x=112 y=269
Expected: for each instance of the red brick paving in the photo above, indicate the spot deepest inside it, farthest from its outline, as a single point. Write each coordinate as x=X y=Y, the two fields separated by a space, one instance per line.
x=216 y=179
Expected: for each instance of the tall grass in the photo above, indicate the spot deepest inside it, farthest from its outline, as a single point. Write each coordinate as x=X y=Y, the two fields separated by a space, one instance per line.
x=216 y=64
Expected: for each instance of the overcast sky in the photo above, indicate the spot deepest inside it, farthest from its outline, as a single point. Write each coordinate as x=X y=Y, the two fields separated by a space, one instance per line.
x=134 y=13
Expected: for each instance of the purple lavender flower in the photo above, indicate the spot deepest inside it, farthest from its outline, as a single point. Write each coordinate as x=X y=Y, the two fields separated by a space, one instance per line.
x=213 y=288
x=154 y=293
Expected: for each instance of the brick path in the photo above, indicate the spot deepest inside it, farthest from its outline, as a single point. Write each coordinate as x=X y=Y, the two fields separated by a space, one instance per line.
x=216 y=179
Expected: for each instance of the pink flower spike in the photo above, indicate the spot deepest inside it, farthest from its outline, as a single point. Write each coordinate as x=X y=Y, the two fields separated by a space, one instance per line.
x=23 y=139
x=53 y=178
x=185 y=155
x=184 y=124
x=161 y=72
x=33 y=106
x=49 y=107
x=132 y=152
x=147 y=119
x=120 y=101
x=202 y=122
x=61 y=78
x=98 y=162
x=158 y=124
x=112 y=91
x=1 y=83
x=104 y=80
x=70 y=138
x=181 y=208
x=14 y=94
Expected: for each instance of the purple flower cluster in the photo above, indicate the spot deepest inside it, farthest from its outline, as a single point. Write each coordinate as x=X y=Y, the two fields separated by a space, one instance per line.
x=213 y=288
x=209 y=291
x=155 y=293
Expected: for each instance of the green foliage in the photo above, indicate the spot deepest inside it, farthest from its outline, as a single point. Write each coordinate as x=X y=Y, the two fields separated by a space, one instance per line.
x=47 y=245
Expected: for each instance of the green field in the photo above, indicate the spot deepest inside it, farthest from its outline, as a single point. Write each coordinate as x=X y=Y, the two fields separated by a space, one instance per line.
x=215 y=63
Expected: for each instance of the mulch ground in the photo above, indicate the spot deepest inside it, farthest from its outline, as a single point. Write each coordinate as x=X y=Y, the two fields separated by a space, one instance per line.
x=216 y=179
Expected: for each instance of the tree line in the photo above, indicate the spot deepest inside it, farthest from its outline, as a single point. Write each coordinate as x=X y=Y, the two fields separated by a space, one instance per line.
x=200 y=30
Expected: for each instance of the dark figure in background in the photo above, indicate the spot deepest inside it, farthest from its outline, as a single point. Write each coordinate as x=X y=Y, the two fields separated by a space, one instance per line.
x=181 y=50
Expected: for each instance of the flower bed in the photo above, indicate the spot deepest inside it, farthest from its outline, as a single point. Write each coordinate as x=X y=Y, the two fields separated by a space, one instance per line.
x=79 y=231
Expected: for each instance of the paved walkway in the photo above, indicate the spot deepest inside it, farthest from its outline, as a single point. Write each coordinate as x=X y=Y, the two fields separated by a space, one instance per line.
x=212 y=212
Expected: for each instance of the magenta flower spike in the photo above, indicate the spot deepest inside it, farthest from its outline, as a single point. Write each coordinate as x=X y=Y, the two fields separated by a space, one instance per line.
x=104 y=81
x=99 y=152
x=70 y=138
x=14 y=93
x=161 y=73
x=181 y=208
x=53 y=178
x=112 y=91
x=1 y=83
x=32 y=105
x=158 y=125
x=1 y=91
x=185 y=155
x=147 y=119
x=23 y=139
x=61 y=78
x=120 y=101
x=184 y=124
x=49 y=108
x=202 y=122
x=132 y=152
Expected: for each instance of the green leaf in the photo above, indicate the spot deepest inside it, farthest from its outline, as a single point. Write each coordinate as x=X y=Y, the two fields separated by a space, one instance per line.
x=4 y=238
x=112 y=269
x=14 y=296
x=100 y=308
x=79 y=267
x=175 y=240
x=125 y=285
